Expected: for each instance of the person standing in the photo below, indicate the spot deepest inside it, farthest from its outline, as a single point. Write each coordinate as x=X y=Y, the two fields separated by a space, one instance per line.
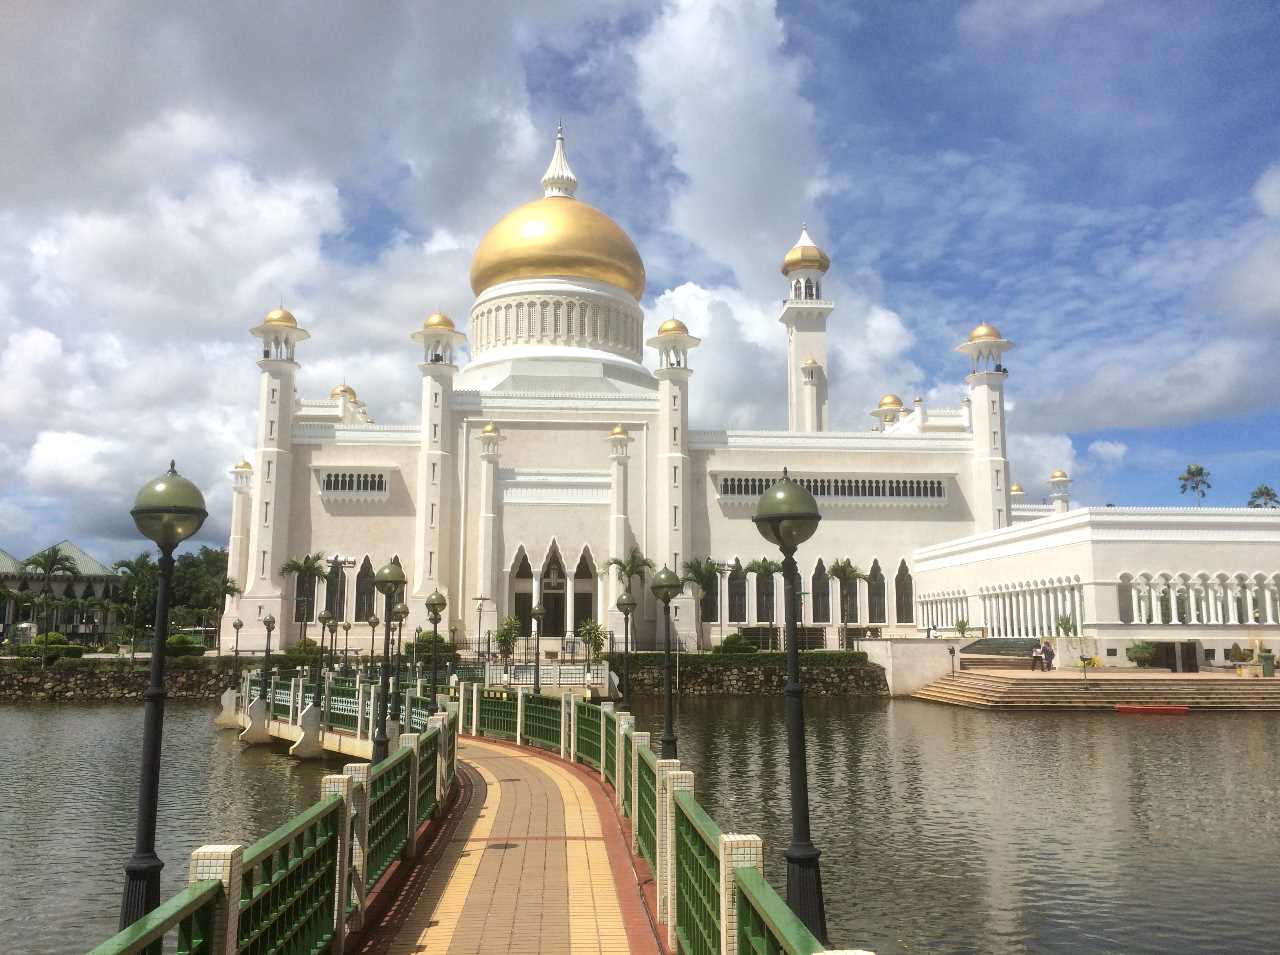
x=1046 y=651
x=1037 y=658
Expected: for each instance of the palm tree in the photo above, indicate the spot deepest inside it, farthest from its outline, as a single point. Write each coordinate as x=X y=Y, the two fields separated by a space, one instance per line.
x=704 y=573
x=8 y=598
x=303 y=570
x=138 y=576
x=764 y=568
x=635 y=564
x=1196 y=480
x=46 y=564
x=847 y=572
x=1264 y=495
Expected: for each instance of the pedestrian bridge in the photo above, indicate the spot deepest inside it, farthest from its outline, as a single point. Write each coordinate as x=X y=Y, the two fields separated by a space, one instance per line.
x=507 y=820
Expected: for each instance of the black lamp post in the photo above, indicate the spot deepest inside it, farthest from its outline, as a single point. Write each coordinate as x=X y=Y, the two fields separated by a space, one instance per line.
x=373 y=636
x=264 y=679
x=666 y=585
x=167 y=510
x=435 y=607
x=333 y=645
x=627 y=604
x=325 y=618
x=417 y=636
x=389 y=579
x=479 y=620
x=537 y=613
x=787 y=516
x=346 y=647
x=398 y=613
x=236 y=624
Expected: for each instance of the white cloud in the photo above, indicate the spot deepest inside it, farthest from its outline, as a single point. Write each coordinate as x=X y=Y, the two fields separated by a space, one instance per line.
x=1108 y=454
x=993 y=19
x=62 y=461
x=1266 y=192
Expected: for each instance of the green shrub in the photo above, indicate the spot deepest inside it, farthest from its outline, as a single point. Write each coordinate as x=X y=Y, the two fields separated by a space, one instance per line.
x=184 y=646
x=1238 y=654
x=1141 y=653
x=735 y=643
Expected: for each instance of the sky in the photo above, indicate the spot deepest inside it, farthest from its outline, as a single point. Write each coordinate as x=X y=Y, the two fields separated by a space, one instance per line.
x=1101 y=180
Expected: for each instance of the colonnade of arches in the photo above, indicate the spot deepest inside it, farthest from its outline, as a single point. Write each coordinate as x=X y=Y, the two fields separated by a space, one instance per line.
x=354 y=481
x=754 y=597
x=1200 y=598
x=1031 y=608
x=841 y=487
x=564 y=321
x=806 y=289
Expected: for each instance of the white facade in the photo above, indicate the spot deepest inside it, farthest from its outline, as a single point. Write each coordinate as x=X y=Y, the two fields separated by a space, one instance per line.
x=556 y=447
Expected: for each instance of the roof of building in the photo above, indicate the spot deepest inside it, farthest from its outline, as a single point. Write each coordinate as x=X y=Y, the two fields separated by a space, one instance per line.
x=9 y=564
x=88 y=565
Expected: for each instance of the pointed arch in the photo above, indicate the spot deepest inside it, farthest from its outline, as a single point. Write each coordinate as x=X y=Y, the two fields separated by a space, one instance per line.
x=820 y=588
x=585 y=576
x=335 y=591
x=764 y=598
x=904 y=595
x=737 y=593
x=364 y=591
x=875 y=594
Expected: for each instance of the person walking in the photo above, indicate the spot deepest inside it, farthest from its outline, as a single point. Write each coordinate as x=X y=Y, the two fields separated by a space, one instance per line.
x=1037 y=658
x=1046 y=651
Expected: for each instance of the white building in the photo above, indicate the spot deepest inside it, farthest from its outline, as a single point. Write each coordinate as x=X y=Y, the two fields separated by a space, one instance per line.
x=556 y=447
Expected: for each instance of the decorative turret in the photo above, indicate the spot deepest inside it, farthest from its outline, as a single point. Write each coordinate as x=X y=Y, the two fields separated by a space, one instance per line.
x=1060 y=490
x=986 y=348
x=559 y=179
x=887 y=411
x=804 y=313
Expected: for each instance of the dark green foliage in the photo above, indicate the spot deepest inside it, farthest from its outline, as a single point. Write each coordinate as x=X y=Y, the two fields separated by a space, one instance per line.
x=735 y=643
x=1238 y=654
x=1141 y=653
x=183 y=646
x=446 y=652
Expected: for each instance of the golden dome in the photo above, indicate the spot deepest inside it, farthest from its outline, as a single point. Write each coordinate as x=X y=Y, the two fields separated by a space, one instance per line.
x=1015 y=489
x=343 y=391
x=1059 y=475
x=439 y=320
x=243 y=466
x=490 y=428
x=810 y=362
x=805 y=255
x=673 y=326
x=281 y=316
x=986 y=332
x=557 y=235
x=618 y=431
x=890 y=401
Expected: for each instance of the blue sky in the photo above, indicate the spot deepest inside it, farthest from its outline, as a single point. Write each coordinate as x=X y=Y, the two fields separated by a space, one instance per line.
x=1099 y=179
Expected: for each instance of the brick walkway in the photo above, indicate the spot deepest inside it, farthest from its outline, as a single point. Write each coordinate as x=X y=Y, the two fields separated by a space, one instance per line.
x=536 y=863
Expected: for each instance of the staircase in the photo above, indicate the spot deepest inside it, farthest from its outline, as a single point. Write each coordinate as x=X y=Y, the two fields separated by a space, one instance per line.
x=1021 y=692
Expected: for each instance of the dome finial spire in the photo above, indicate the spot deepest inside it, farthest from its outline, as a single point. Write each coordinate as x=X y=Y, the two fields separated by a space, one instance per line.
x=559 y=179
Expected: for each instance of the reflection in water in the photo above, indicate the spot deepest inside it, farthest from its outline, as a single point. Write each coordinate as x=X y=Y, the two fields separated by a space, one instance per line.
x=956 y=831
x=70 y=779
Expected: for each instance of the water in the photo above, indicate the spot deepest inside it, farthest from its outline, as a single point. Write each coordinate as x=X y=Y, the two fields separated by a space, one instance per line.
x=948 y=830
x=69 y=775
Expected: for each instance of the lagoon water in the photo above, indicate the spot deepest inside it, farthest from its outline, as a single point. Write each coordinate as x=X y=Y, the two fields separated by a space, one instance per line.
x=942 y=830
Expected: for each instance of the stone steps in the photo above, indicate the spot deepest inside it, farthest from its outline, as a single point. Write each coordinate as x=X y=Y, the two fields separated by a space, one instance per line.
x=991 y=691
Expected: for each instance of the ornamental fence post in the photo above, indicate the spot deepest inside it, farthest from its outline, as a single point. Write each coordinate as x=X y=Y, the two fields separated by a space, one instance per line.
x=224 y=863
x=665 y=826
x=520 y=716
x=359 y=774
x=737 y=851
x=625 y=722
x=341 y=785
x=411 y=844
x=475 y=710
x=440 y=723
x=637 y=740
x=606 y=707
x=677 y=781
x=566 y=722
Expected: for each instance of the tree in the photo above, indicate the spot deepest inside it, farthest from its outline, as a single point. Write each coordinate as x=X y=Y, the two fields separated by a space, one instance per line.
x=1264 y=495
x=847 y=572
x=703 y=573
x=593 y=636
x=1196 y=480
x=46 y=564
x=506 y=637
x=303 y=570
x=138 y=589
x=635 y=564
x=962 y=627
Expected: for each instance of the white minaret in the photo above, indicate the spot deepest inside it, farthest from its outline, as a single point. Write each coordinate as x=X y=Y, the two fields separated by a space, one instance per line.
x=436 y=486
x=487 y=539
x=272 y=482
x=619 y=529
x=674 y=479
x=238 y=545
x=804 y=313
x=1060 y=490
x=987 y=375
x=888 y=411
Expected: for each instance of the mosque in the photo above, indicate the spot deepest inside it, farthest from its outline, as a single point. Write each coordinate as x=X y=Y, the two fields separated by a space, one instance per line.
x=563 y=441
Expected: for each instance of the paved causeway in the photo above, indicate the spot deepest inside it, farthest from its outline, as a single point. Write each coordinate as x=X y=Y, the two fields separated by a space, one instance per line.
x=535 y=863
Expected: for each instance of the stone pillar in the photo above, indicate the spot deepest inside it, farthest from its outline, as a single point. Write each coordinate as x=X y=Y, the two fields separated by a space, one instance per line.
x=637 y=740
x=224 y=863
x=736 y=852
x=341 y=785
x=520 y=716
x=678 y=781
x=410 y=740
x=566 y=723
x=625 y=723
x=475 y=709
x=665 y=826
x=359 y=775
x=606 y=707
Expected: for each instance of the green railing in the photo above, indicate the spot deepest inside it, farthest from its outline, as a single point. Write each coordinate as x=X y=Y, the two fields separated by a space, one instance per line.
x=282 y=702
x=189 y=915
x=388 y=811
x=464 y=709
x=288 y=884
x=766 y=926
x=446 y=745
x=428 y=773
x=343 y=706
x=697 y=857
x=498 y=714
x=611 y=748
x=588 y=742
x=419 y=710
x=647 y=805
x=627 y=747
x=542 y=721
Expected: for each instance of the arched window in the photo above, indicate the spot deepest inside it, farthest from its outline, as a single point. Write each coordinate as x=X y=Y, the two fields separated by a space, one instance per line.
x=764 y=597
x=904 y=595
x=875 y=594
x=335 y=591
x=364 y=591
x=821 y=590
x=737 y=594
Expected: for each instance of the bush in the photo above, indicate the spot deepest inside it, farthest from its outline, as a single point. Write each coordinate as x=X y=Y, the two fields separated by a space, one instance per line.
x=1238 y=654
x=735 y=643
x=184 y=646
x=1141 y=653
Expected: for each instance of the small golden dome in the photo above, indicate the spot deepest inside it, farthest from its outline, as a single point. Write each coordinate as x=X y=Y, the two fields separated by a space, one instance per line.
x=281 y=316
x=439 y=320
x=243 y=466
x=986 y=332
x=673 y=326
x=890 y=401
x=805 y=255
x=618 y=431
x=1059 y=475
x=557 y=235
x=343 y=391
x=490 y=428
x=810 y=362
x=1015 y=489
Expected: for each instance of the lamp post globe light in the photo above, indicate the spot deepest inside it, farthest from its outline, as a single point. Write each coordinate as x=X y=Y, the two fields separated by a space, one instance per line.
x=666 y=586
x=373 y=622
x=167 y=510
x=435 y=607
x=324 y=619
x=787 y=516
x=264 y=678
x=333 y=645
x=236 y=624
x=389 y=579
x=627 y=604
x=399 y=612
x=537 y=613
x=346 y=647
